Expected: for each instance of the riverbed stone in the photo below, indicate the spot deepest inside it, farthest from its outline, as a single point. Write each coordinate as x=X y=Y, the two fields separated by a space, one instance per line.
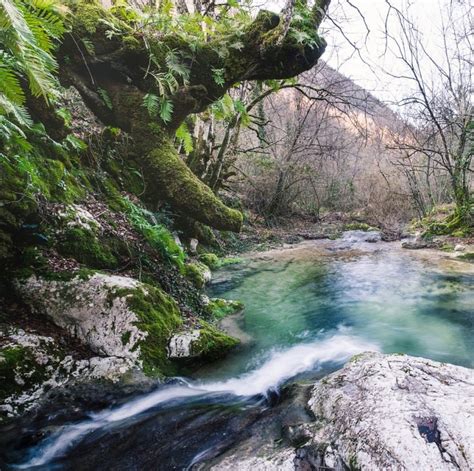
x=206 y=342
x=181 y=344
x=414 y=244
x=392 y=412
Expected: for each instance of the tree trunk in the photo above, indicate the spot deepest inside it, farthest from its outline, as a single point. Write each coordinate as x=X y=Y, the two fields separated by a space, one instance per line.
x=100 y=65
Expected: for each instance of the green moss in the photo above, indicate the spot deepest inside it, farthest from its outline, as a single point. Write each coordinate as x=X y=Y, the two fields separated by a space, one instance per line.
x=353 y=465
x=43 y=171
x=159 y=316
x=18 y=362
x=86 y=248
x=125 y=337
x=457 y=224
x=93 y=20
x=157 y=235
x=185 y=191
x=195 y=273
x=230 y=261
x=83 y=274
x=447 y=248
x=467 y=256
x=210 y=259
x=356 y=358
x=213 y=343
x=219 y=308
x=214 y=262
x=359 y=226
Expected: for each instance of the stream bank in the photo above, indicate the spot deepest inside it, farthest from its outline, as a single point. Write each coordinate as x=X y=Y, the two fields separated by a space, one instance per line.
x=310 y=308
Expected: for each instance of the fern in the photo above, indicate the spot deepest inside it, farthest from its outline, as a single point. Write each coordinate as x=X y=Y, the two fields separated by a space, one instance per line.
x=158 y=106
x=166 y=109
x=105 y=98
x=218 y=76
x=184 y=136
x=177 y=67
x=28 y=30
x=152 y=104
x=25 y=32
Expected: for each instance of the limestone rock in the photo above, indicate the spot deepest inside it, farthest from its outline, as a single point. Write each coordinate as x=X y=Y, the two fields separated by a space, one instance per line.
x=390 y=412
x=32 y=364
x=414 y=244
x=74 y=215
x=207 y=342
x=181 y=345
x=114 y=316
x=397 y=412
x=89 y=310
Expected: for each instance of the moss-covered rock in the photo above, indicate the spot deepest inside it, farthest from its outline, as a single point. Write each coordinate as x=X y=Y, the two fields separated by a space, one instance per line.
x=210 y=259
x=359 y=226
x=219 y=308
x=198 y=273
x=212 y=343
x=32 y=364
x=202 y=344
x=114 y=316
x=86 y=248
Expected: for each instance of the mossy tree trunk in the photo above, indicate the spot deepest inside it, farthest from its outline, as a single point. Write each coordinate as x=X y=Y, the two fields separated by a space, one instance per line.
x=109 y=72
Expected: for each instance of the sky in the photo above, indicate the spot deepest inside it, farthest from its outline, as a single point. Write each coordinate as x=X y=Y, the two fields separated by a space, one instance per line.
x=366 y=30
x=367 y=69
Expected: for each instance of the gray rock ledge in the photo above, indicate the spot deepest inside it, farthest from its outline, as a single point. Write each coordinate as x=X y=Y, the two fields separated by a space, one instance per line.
x=380 y=412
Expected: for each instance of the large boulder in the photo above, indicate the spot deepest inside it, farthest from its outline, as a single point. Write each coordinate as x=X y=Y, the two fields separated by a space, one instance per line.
x=397 y=412
x=32 y=364
x=114 y=316
x=391 y=412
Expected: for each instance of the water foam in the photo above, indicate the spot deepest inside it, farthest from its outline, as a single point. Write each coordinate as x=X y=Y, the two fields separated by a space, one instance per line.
x=280 y=367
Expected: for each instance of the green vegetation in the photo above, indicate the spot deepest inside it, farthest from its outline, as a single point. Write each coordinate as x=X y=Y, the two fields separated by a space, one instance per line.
x=158 y=236
x=28 y=32
x=212 y=343
x=85 y=247
x=446 y=220
x=19 y=370
x=196 y=273
x=214 y=262
x=210 y=259
x=159 y=317
x=359 y=226
x=467 y=256
x=220 y=308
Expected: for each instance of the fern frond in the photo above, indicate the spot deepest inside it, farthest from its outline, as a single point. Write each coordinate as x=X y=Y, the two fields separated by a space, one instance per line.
x=166 y=109
x=152 y=104
x=27 y=30
x=184 y=136
x=10 y=84
x=15 y=111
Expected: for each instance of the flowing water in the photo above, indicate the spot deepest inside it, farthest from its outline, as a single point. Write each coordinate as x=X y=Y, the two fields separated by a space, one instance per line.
x=309 y=308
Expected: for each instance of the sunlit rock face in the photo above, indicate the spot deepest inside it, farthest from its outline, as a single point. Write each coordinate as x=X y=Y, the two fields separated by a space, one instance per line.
x=92 y=310
x=378 y=412
x=397 y=412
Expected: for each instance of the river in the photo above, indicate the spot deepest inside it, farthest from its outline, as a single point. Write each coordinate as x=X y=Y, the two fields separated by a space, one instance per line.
x=308 y=309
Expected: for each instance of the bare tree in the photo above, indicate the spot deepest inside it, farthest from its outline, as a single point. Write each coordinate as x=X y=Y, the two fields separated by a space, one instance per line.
x=439 y=108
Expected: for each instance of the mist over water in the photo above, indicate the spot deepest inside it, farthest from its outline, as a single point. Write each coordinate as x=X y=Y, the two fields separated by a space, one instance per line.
x=308 y=310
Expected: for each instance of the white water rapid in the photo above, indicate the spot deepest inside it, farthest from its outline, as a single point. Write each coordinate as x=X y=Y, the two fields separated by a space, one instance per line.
x=280 y=366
